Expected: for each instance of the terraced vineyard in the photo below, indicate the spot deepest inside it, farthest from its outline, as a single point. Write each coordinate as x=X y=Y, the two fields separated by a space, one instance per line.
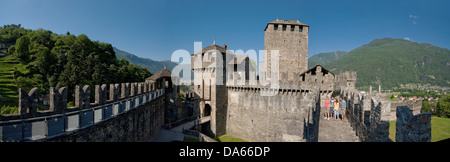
x=9 y=94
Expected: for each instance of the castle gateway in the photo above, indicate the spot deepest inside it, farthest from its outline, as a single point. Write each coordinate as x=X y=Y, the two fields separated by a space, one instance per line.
x=227 y=89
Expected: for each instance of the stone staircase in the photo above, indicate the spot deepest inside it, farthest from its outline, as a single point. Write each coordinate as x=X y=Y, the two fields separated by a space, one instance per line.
x=336 y=131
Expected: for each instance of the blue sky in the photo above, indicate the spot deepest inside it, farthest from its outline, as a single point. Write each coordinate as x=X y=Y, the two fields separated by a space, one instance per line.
x=154 y=29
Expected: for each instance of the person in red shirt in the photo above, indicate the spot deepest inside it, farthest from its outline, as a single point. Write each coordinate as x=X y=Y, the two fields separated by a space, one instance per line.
x=327 y=108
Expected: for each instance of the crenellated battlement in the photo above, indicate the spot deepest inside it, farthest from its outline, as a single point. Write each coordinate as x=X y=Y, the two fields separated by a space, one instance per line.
x=346 y=79
x=29 y=101
x=415 y=107
x=316 y=77
x=59 y=98
x=370 y=115
x=56 y=122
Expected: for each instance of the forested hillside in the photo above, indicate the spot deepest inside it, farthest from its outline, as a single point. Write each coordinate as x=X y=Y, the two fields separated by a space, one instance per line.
x=392 y=62
x=325 y=58
x=43 y=59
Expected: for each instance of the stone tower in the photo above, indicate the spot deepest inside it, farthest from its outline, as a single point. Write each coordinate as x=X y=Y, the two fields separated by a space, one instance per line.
x=290 y=38
x=209 y=66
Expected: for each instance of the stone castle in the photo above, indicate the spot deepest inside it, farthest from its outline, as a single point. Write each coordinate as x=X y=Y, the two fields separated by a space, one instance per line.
x=240 y=108
x=250 y=107
x=282 y=104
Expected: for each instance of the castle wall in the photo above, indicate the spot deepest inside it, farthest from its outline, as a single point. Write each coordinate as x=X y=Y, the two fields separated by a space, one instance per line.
x=173 y=105
x=412 y=128
x=141 y=124
x=135 y=118
x=284 y=117
x=345 y=79
x=219 y=110
x=370 y=115
x=415 y=107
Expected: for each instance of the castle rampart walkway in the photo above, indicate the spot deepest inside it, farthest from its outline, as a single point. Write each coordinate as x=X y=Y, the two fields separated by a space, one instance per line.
x=47 y=127
x=336 y=131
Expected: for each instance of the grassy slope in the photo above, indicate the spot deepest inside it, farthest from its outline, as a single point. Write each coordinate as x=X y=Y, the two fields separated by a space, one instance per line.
x=440 y=129
x=9 y=95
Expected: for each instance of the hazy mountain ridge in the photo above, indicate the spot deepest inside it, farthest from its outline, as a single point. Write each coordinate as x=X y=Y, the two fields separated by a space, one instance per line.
x=152 y=65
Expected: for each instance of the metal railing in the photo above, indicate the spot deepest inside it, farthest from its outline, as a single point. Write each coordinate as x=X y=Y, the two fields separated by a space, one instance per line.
x=45 y=127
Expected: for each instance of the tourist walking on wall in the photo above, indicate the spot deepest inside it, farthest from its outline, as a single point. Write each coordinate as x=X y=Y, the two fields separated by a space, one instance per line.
x=336 y=109
x=327 y=108
x=343 y=106
x=331 y=107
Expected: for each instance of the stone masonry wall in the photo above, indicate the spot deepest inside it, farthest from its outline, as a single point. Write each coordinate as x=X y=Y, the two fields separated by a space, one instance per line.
x=29 y=101
x=141 y=124
x=412 y=128
x=285 y=117
x=372 y=125
x=369 y=116
x=415 y=107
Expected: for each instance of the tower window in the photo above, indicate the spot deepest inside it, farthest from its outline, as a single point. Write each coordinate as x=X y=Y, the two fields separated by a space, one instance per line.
x=292 y=27
x=275 y=27
x=300 y=29
x=284 y=27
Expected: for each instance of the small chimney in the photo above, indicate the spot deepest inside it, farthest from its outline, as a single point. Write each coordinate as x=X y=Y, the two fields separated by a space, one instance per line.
x=224 y=46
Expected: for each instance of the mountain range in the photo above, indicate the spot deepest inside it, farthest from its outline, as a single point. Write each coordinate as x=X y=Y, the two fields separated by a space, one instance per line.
x=391 y=63
x=152 y=65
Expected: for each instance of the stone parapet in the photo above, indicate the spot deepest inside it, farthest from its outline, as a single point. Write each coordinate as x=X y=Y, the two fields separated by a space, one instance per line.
x=412 y=128
x=30 y=101
x=369 y=116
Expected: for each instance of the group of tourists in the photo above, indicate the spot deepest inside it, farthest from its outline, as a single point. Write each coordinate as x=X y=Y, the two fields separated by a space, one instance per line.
x=334 y=107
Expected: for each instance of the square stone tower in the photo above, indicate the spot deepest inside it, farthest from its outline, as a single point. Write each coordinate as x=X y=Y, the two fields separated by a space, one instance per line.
x=290 y=38
x=209 y=65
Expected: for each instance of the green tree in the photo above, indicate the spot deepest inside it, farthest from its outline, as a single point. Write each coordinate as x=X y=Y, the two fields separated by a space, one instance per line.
x=21 y=49
x=10 y=33
x=443 y=107
x=426 y=106
x=67 y=60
